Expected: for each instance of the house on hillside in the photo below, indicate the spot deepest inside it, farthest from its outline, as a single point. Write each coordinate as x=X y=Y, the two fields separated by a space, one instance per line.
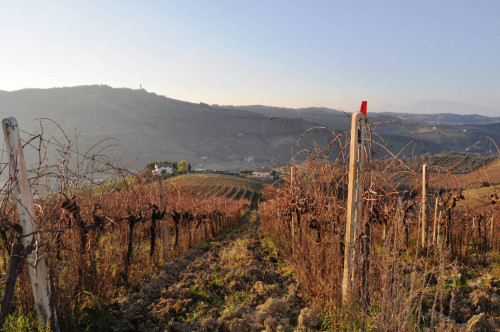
x=262 y=172
x=161 y=170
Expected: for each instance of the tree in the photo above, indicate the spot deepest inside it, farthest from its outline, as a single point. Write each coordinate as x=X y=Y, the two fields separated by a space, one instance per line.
x=182 y=166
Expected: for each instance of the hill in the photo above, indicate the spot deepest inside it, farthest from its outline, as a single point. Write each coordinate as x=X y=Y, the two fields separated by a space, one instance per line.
x=433 y=108
x=152 y=127
x=444 y=118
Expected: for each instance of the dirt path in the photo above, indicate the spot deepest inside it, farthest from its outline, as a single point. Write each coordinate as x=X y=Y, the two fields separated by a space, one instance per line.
x=234 y=283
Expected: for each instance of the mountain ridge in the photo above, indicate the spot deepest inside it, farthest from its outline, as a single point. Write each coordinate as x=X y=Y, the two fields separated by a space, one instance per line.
x=152 y=127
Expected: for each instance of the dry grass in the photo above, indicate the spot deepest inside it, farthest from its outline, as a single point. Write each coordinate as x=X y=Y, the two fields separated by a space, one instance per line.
x=399 y=285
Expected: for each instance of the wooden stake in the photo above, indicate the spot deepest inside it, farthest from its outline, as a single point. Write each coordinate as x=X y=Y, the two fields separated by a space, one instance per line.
x=37 y=267
x=294 y=212
x=439 y=227
x=354 y=203
x=491 y=232
x=434 y=230
x=424 y=206
x=164 y=224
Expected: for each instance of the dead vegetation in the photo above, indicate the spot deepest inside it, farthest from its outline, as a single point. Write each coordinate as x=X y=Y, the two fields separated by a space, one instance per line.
x=399 y=283
x=126 y=252
x=104 y=230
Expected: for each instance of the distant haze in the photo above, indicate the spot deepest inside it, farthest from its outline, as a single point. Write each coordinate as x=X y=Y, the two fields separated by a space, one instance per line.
x=434 y=107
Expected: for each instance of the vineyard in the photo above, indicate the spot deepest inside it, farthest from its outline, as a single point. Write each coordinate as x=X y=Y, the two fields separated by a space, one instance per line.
x=103 y=238
x=444 y=276
x=455 y=163
x=219 y=185
x=130 y=251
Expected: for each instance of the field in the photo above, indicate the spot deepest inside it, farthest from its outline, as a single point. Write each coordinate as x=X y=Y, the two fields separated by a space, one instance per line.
x=220 y=185
x=446 y=171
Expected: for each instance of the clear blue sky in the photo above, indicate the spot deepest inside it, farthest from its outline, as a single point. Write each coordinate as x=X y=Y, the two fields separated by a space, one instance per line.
x=281 y=53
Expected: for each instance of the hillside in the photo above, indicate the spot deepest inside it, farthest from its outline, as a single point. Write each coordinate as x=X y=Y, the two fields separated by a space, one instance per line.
x=432 y=133
x=449 y=111
x=151 y=127
x=444 y=118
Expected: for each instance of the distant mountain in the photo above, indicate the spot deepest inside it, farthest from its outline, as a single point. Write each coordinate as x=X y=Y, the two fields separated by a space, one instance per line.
x=150 y=127
x=431 y=133
x=440 y=112
x=320 y=115
x=444 y=118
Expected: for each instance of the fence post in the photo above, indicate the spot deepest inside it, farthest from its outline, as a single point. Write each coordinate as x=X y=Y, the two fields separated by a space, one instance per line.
x=423 y=222
x=37 y=267
x=434 y=230
x=491 y=232
x=439 y=227
x=164 y=223
x=294 y=211
x=354 y=201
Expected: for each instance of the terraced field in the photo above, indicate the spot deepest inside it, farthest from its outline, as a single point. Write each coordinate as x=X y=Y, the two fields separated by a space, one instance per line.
x=220 y=185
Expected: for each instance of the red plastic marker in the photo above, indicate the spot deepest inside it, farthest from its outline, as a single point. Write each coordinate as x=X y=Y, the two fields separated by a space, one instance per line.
x=363 y=107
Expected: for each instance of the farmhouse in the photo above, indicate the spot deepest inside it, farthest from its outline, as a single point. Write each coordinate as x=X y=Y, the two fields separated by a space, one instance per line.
x=159 y=170
x=262 y=172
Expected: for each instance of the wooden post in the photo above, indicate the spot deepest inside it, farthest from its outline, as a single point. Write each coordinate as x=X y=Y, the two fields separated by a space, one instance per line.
x=354 y=202
x=491 y=233
x=37 y=267
x=294 y=211
x=434 y=229
x=438 y=239
x=164 y=224
x=423 y=222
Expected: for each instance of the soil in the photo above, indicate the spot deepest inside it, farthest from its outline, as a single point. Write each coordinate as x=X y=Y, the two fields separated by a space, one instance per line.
x=238 y=282
x=234 y=283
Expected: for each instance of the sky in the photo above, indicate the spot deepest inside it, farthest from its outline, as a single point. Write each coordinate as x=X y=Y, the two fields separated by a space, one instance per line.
x=278 y=53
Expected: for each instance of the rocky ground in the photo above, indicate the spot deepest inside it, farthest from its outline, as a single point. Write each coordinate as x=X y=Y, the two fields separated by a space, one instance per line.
x=470 y=301
x=234 y=283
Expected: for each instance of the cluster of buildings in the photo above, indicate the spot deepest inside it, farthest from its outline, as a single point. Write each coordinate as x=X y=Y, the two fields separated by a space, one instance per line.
x=263 y=172
x=164 y=170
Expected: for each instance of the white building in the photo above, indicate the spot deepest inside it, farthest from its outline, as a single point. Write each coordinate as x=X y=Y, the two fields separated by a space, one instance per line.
x=163 y=170
x=262 y=172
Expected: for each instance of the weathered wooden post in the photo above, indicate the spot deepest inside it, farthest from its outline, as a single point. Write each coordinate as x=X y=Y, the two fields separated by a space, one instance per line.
x=423 y=222
x=37 y=267
x=164 y=224
x=491 y=232
x=438 y=239
x=434 y=229
x=354 y=200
